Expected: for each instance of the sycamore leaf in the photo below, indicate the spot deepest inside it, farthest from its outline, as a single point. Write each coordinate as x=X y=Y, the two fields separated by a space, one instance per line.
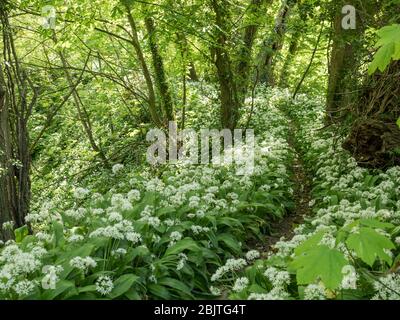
x=369 y=245
x=388 y=34
x=373 y=223
x=309 y=243
x=382 y=58
x=320 y=263
x=389 y=48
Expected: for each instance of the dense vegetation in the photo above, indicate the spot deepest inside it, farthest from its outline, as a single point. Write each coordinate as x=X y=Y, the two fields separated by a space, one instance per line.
x=83 y=213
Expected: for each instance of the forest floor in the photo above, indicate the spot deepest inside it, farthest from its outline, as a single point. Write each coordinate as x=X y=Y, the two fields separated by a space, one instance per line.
x=302 y=197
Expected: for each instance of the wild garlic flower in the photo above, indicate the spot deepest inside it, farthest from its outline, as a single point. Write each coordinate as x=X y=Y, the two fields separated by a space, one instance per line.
x=252 y=255
x=182 y=262
x=81 y=193
x=104 y=285
x=387 y=288
x=215 y=291
x=24 y=287
x=240 y=284
x=117 y=168
x=83 y=263
x=175 y=236
x=8 y=226
x=133 y=195
x=314 y=292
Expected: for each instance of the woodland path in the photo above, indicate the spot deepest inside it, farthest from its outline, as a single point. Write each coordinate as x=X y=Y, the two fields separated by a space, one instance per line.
x=302 y=186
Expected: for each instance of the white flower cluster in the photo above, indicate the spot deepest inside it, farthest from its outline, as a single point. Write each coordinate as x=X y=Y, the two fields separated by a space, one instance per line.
x=117 y=168
x=252 y=255
x=81 y=193
x=387 y=288
x=240 y=284
x=83 y=263
x=104 y=285
x=230 y=266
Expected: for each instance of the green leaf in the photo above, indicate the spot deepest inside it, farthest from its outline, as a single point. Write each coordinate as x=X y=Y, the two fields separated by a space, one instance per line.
x=21 y=233
x=389 y=48
x=89 y=288
x=309 y=243
x=320 y=263
x=382 y=58
x=184 y=244
x=230 y=242
x=62 y=287
x=369 y=245
x=58 y=233
x=159 y=291
x=177 y=285
x=122 y=285
x=373 y=223
x=398 y=122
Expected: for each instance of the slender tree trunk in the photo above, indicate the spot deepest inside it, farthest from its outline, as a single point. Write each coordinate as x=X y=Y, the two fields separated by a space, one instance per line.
x=296 y=91
x=17 y=98
x=8 y=205
x=293 y=47
x=246 y=48
x=160 y=74
x=192 y=72
x=82 y=112
x=345 y=61
x=273 y=43
x=157 y=120
x=228 y=93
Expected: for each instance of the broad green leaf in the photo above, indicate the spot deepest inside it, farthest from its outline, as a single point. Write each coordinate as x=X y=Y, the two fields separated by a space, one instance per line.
x=62 y=286
x=122 y=285
x=389 y=48
x=179 y=286
x=373 y=223
x=21 y=233
x=230 y=242
x=369 y=245
x=320 y=263
x=159 y=291
x=184 y=244
x=382 y=58
x=58 y=233
x=388 y=34
x=89 y=288
x=309 y=243
x=398 y=122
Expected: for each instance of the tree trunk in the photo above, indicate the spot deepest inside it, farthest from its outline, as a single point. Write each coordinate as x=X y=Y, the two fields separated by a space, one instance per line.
x=157 y=120
x=193 y=73
x=82 y=112
x=15 y=109
x=346 y=58
x=228 y=93
x=273 y=43
x=246 y=47
x=160 y=75
x=8 y=203
x=293 y=47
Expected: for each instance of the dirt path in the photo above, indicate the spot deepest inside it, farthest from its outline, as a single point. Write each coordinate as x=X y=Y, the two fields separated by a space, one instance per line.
x=302 y=197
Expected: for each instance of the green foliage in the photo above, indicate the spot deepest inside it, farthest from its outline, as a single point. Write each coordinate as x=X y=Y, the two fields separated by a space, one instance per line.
x=370 y=245
x=320 y=263
x=389 y=48
x=21 y=233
